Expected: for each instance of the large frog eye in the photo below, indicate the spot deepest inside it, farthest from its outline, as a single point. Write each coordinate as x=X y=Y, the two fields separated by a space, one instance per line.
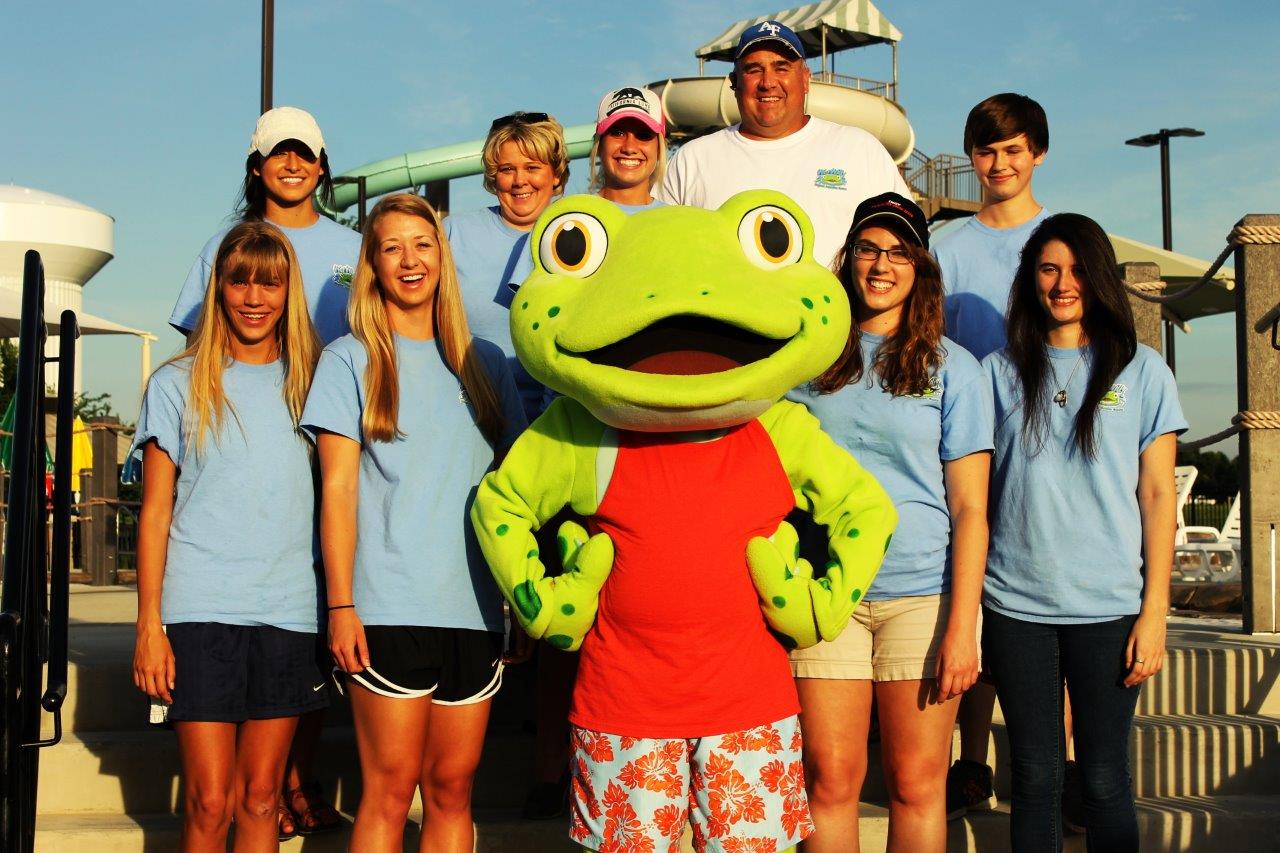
x=573 y=244
x=770 y=237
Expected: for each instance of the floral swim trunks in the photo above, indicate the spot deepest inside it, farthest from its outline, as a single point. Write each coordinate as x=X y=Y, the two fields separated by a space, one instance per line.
x=743 y=792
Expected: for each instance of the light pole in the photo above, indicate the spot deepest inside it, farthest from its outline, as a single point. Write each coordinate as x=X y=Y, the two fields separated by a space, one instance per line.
x=1161 y=138
x=268 y=43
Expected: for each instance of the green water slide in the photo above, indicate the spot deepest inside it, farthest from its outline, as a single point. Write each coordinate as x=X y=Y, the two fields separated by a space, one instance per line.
x=442 y=163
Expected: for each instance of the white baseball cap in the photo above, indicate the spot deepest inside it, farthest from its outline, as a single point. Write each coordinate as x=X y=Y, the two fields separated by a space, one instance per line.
x=631 y=102
x=277 y=125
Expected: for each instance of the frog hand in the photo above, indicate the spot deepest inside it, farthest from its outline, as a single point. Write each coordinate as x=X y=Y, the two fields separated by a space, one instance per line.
x=834 y=600
x=784 y=580
x=570 y=600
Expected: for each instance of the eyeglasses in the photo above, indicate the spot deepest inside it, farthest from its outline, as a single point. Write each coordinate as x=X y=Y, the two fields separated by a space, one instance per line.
x=867 y=252
x=517 y=117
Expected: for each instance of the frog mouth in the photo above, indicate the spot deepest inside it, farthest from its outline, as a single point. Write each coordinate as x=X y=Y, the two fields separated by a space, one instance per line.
x=685 y=346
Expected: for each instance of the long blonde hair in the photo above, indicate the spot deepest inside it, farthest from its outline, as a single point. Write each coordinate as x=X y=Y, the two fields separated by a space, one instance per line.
x=372 y=327
x=251 y=251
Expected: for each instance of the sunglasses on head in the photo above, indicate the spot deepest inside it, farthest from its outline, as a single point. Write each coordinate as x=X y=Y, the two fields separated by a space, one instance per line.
x=517 y=117
x=641 y=132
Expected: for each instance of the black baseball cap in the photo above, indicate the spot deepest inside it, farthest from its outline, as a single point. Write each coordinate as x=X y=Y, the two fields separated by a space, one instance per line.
x=899 y=214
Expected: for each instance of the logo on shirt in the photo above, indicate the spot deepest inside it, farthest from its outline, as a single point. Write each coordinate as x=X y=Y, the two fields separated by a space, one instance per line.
x=832 y=179
x=1114 y=400
x=343 y=274
x=934 y=390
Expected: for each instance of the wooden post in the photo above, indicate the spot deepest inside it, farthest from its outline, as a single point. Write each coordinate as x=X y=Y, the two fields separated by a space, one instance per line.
x=1146 y=315
x=1258 y=380
x=99 y=535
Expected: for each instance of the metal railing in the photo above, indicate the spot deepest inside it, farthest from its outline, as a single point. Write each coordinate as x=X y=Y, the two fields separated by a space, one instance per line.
x=862 y=84
x=33 y=616
x=942 y=176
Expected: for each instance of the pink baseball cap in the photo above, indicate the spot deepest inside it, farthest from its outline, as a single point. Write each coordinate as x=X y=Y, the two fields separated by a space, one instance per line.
x=630 y=102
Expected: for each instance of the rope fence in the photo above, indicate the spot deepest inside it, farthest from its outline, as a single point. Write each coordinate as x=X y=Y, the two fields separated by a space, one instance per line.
x=1241 y=235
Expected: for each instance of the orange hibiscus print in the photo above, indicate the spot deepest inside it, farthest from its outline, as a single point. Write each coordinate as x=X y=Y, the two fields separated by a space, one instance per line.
x=595 y=745
x=764 y=738
x=750 y=845
x=732 y=799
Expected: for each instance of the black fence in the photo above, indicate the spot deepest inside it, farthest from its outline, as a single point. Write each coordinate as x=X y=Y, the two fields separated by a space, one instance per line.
x=34 y=599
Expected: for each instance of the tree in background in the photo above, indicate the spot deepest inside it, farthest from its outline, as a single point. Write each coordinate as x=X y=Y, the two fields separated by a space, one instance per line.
x=1219 y=477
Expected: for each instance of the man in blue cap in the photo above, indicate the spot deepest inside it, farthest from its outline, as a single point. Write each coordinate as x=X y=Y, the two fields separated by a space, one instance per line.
x=828 y=168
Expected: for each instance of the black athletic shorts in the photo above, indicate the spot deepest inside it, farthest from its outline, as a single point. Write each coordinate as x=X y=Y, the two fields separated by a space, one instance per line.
x=232 y=673
x=454 y=666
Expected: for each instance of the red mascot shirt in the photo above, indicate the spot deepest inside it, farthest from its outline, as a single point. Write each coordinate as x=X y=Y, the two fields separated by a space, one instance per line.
x=680 y=648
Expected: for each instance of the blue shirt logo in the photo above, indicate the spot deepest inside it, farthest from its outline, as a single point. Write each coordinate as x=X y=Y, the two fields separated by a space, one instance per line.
x=832 y=179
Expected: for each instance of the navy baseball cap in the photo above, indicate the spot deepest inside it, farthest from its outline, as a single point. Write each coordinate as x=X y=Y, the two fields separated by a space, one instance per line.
x=766 y=31
x=899 y=214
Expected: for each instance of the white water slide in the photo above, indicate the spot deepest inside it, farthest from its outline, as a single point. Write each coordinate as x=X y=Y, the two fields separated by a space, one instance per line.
x=698 y=105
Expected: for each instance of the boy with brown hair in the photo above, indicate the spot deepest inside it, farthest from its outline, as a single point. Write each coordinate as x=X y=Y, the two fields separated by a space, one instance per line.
x=1006 y=137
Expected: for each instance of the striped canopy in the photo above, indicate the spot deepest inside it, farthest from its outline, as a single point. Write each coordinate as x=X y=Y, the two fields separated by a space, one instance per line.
x=849 y=23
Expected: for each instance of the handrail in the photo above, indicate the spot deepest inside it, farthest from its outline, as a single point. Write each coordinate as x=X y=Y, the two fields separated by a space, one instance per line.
x=24 y=574
x=55 y=692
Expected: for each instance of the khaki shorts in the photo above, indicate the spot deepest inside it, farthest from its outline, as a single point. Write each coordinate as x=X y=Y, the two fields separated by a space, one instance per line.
x=892 y=640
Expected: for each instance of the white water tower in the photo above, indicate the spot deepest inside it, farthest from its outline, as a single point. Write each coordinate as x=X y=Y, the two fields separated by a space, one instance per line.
x=74 y=241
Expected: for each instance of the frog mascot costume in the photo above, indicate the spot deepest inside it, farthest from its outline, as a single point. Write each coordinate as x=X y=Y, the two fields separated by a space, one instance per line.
x=671 y=335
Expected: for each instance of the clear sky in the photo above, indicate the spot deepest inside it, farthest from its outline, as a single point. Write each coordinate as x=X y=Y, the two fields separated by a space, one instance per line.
x=144 y=111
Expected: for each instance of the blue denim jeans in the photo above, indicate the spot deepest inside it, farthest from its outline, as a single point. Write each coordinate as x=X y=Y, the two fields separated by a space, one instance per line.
x=1029 y=661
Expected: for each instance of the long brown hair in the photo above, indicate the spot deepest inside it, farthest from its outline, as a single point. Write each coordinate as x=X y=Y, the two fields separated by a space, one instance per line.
x=250 y=251
x=367 y=313
x=1108 y=327
x=907 y=360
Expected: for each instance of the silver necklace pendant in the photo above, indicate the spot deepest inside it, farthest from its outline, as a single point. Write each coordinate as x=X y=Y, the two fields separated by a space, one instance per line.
x=1061 y=398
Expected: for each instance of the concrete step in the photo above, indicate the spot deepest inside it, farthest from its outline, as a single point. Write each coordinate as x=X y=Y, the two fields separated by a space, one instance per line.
x=1184 y=755
x=1242 y=824
x=496 y=832
x=1205 y=755
x=137 y=773
x=1210 y=670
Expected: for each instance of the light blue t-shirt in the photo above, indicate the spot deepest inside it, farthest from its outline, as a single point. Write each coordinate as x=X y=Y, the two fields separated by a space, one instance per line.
x=327 y=253
x=978 y=264
x=629 y=209
x=1066 y=533
x=903 y=442
x=493 y=260
x=417 y=561
x=242 y=539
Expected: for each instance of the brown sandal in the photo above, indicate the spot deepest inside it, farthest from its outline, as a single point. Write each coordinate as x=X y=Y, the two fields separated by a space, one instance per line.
x=312 y=813
x=284 y=817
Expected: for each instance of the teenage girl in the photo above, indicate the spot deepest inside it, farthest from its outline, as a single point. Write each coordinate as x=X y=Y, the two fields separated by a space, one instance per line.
x=1082 y=527
x=287 y=163
x=227 y=624
x=408 y=412
x=629 y=151
x=915 y=409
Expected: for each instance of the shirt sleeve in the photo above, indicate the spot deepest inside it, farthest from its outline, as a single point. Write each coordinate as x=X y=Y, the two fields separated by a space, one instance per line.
x=1161 y=408
x=334 y=405
x=968 y=413
x=186 y=310
x=672 y=191
x=159 y=420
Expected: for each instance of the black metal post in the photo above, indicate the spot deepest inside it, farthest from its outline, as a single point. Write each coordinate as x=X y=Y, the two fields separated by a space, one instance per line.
x=1161 y=138
x=268 y=50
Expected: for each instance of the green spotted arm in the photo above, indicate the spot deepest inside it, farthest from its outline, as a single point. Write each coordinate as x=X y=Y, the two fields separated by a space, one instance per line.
x=551 y=465
x=849 y=502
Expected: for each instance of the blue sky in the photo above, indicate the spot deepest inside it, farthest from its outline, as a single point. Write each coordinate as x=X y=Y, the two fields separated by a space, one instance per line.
x=144 y=111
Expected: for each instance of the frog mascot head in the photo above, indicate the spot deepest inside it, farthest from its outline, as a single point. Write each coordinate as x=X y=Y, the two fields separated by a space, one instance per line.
x=677 y=319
